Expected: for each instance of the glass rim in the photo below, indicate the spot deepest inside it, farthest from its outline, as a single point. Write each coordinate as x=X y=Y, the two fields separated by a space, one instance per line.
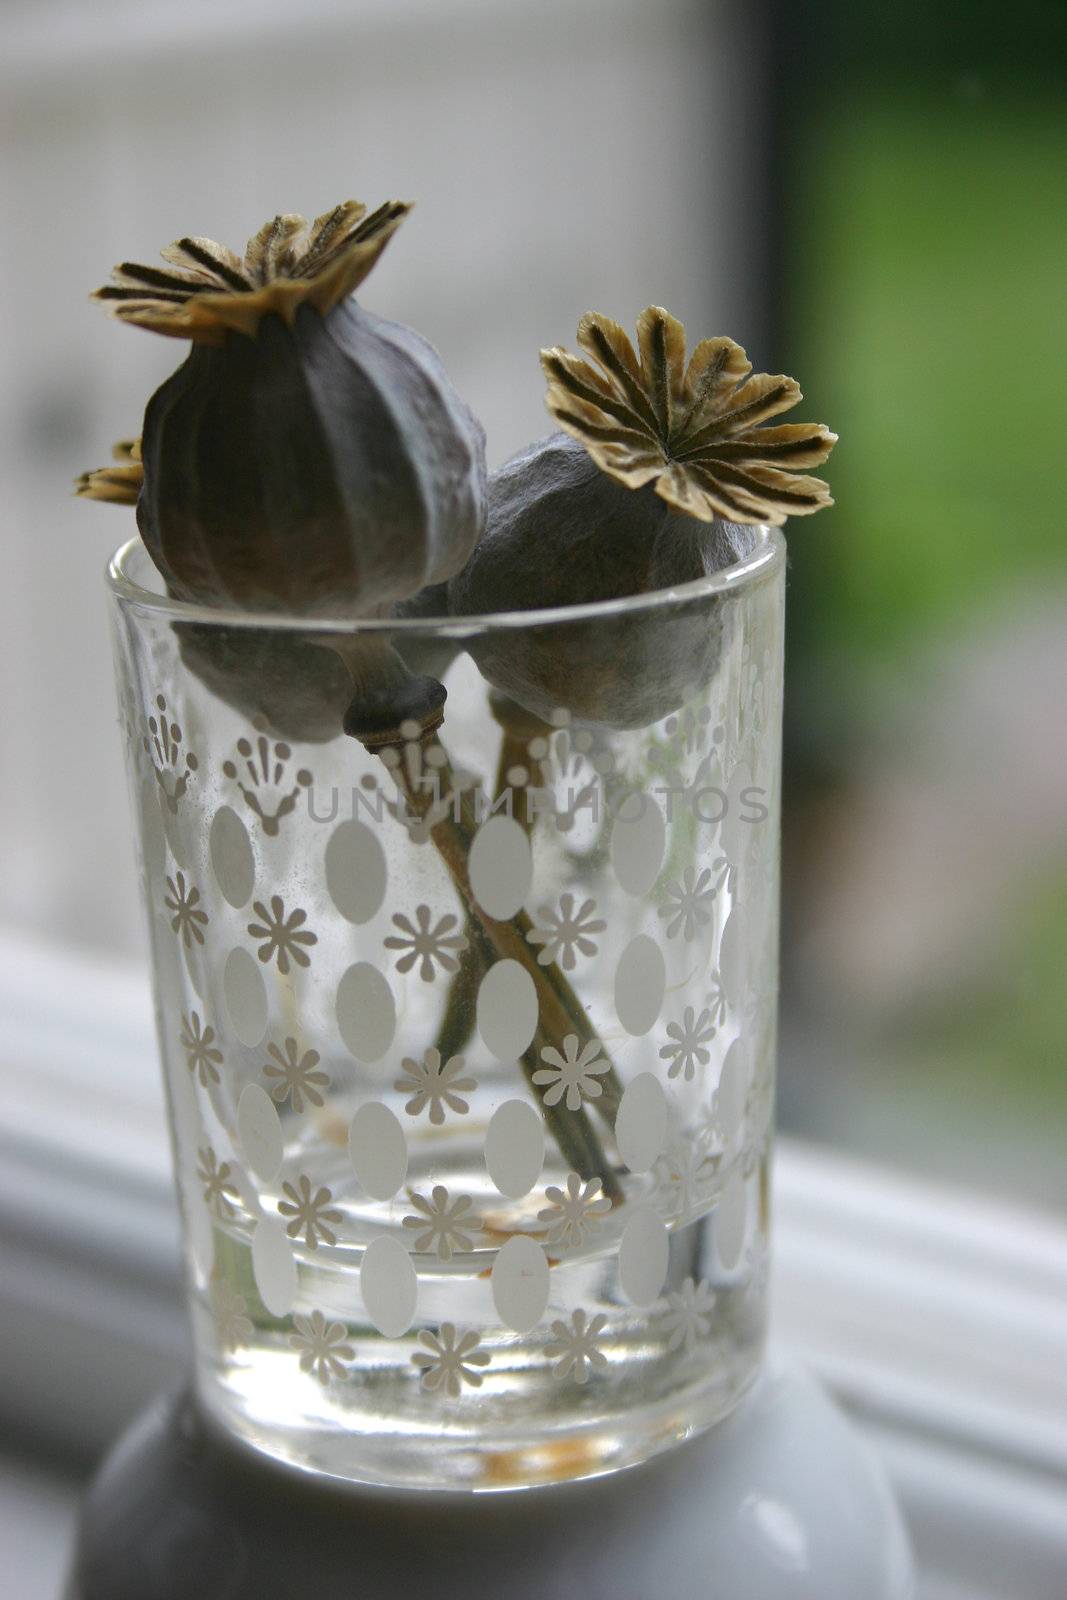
x=740 y=576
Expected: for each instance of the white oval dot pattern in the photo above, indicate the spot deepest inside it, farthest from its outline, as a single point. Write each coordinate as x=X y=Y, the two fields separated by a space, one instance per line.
x=731 y=1217
x=273 y=1266
x=201 y=1238
x=738 y=826
x=641 y=1122
x=174 y=833
x=520 y=1282
x=153 y=840
x=389 y=1286
x=733 y=955
x=638 y=843
x=366 y=1012
x=733 y=1087
x=355 y=871
x=640 y=985
x=259 y=1132
x=500 y=867
x=644 y=1256
x=369 y=1013
x=515 y=1148
x=245 y=995
x=378 y=1150
x=507 y=1010
x=232 y=859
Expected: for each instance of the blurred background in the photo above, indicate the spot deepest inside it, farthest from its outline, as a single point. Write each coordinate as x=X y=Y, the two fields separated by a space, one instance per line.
x=872 y=197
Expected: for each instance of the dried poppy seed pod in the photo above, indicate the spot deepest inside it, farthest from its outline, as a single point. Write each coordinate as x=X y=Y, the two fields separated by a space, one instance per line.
x=305 y=687
x=561 y=533
x=659 y=469
x=308 y=457
x=299 y=685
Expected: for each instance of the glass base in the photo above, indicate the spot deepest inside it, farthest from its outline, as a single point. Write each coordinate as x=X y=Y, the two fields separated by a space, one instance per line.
x=780 y=1501
x=437 y=1452
x=545 y=1408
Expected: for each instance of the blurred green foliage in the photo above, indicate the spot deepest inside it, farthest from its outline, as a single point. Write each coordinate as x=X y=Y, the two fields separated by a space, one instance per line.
x=930 y=262
x=923 y=189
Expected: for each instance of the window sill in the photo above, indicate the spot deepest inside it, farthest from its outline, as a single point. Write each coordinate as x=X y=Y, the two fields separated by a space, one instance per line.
x=936 y=1319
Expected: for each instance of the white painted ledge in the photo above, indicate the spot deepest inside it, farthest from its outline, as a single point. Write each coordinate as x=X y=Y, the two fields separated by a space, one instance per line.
x=938 y=1319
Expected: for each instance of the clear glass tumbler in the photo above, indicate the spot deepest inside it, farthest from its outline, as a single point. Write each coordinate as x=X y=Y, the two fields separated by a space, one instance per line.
x=467 y=1016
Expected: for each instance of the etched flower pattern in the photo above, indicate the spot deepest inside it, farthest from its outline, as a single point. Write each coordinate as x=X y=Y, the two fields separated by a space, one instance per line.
x=435 y=1085
x=573 y=1074
x=261 y=773
x=684 y=1176
x=757 y=1266
x=202 y=1055
x=688 y=1316
x=323 y=1347
x=573 y=1349
x=717 y=1004
x=162 y=743
x=574 y=1212
x=188 y=917
x=561 y=933
x=310 y=1211
x=450 y=1359
x=283 y=937
x=442 y=1225
x=217 y=1183
x=294 y=1076
x=425 y=772
x=232 y=1323
x=688 y=1040
x=426 y=941
x=562 y=761
x=688 y=906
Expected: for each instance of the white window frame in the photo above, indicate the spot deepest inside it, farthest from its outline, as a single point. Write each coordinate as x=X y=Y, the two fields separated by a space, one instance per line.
x=936 y=1318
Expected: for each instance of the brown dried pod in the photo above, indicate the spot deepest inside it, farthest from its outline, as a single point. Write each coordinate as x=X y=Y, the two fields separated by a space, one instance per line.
x=121 y=484
x=660 y=468
x=301 y=687
x=308 y=457
x=298 y=684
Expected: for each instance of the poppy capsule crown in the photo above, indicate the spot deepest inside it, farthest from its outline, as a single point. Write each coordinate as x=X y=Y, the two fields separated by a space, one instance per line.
x=308 y=456
x=659 y=470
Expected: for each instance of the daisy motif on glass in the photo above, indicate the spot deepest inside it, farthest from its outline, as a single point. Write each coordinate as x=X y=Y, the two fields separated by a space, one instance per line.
x=449 y=1360
x=573 y=1074
x=565 y=931
x=202 y=1057
x=188 y=918
x=716 y=1000
x=322 y=1345
x=294 y=1075
x=685 y=1175
x=688 y=907
x=218 y=1187
x=573 y=1348
x=283 y=936
x=232 y=1323
x=310 y=1211
x=689 y=1039
x=757 y=1269
x=574 y=1212
x=688 y=1317
x=426 y=941
x=436 y=1086
x=442 y=1226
